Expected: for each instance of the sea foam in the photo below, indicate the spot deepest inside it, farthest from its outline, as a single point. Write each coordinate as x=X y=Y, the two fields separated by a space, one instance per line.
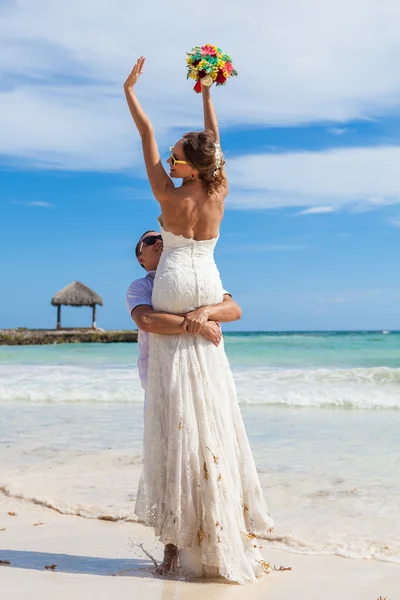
x=367 y=388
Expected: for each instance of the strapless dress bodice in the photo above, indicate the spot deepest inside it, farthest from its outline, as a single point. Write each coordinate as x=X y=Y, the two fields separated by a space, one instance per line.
x=187 y=276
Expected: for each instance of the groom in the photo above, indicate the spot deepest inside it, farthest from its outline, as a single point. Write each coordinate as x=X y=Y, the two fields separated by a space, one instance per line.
x=139 y=303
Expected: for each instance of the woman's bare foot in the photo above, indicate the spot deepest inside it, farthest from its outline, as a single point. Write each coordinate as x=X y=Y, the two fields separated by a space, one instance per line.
x=170 y=562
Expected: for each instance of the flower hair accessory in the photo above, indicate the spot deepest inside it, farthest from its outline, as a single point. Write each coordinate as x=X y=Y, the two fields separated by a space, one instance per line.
x=207 y=65
x=218 y=159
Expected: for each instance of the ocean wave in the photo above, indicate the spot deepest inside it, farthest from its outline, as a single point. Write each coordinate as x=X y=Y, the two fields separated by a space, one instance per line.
x=367 y=388
x=87 y=511
x=356 y=549
x=57 y=384
x=360 y=376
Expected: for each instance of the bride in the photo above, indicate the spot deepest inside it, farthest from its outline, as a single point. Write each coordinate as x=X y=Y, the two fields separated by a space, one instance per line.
x=199 y=488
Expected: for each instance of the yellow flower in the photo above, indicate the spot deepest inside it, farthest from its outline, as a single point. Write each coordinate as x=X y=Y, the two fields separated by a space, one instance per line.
x=193 y=74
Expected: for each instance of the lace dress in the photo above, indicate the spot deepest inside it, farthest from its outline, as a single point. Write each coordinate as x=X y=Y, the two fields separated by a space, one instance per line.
x=199 y=487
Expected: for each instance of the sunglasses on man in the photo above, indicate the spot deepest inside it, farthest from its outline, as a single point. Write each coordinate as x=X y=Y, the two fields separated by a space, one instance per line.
x=150 y=240
x=174 y=160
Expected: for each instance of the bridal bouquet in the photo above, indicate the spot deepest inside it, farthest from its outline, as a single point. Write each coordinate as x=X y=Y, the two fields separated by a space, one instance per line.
x=207 y=65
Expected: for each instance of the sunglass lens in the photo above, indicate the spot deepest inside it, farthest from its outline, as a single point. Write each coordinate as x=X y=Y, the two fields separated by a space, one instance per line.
x=152 y=239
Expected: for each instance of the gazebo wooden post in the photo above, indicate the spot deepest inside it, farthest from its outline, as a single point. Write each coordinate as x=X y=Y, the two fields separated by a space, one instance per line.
x=58 y=316
x=94 y=317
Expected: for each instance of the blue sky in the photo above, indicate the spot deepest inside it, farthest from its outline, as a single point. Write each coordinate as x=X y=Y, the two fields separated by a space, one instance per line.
x=311 y=234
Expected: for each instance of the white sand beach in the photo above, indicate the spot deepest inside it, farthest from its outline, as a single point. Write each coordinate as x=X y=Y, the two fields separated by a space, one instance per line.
x=98 y=559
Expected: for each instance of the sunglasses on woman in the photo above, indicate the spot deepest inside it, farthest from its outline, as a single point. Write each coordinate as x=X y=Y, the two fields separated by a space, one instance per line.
x=150 y=240
x=174 y=160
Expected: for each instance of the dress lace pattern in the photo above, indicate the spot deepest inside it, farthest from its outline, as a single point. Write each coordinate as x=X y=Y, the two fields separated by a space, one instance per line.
x=199 y=488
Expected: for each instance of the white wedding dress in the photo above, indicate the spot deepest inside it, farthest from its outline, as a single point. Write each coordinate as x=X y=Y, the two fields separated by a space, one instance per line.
x=199 y=487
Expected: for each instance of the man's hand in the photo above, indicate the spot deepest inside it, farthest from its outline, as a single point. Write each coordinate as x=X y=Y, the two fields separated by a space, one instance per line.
x=196 y=319
x=211 y=330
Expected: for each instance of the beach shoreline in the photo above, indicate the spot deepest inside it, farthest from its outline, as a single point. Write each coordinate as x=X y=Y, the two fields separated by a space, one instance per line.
x=100 y=559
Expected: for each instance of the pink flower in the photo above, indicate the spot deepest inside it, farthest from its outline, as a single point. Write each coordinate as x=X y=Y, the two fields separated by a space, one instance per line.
x=208 y=49
x=228 y=67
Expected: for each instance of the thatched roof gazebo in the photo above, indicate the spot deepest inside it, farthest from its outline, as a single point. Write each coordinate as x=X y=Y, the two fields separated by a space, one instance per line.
x=76 y=294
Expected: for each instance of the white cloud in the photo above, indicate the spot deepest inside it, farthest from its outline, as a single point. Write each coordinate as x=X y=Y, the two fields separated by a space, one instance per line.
x=338 y=130
x=361 y=178
x=63 y=65
x=318 y=210
x=35 y=203
x=395 y=221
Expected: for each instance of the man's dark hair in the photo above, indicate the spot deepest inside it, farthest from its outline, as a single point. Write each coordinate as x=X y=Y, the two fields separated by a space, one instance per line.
x=138 y=244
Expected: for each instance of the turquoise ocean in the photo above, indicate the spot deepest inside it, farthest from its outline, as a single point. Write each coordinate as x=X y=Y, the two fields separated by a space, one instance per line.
x=321 y=412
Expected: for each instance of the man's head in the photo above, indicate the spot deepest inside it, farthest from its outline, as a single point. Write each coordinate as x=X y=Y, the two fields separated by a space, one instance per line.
x=148 y=250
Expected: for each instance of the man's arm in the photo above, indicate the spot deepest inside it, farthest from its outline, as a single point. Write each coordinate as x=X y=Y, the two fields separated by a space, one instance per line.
x=226 y=311
x=139 y=304
x=153 y=321
x=168 y=324
x=164 y=323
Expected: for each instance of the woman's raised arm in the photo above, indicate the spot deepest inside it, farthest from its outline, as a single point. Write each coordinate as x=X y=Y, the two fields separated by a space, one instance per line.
x=210 y=122
x=210 y=118
x=160 y=183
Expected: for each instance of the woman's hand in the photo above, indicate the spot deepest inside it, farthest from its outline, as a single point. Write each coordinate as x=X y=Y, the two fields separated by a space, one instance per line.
x=212 y=332
x=205 y=89
x=135 y=74
x=195 y=320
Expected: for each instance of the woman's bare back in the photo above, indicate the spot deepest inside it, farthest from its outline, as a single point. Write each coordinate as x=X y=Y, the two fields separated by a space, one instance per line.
x=190 y=212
